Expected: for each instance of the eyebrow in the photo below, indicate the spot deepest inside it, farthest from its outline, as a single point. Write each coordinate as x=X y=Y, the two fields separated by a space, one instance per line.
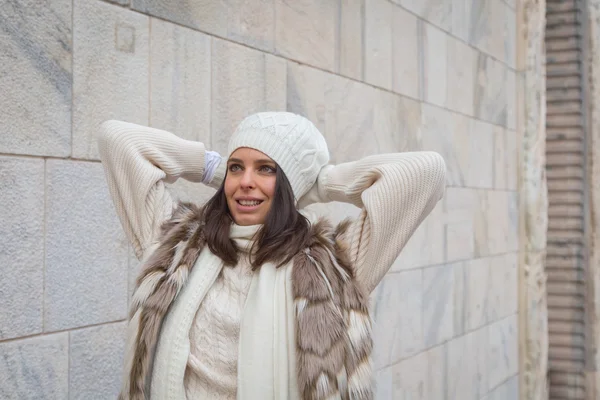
x=259 y=161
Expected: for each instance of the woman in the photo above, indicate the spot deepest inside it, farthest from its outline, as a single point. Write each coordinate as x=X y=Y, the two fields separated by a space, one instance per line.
x=246 y=296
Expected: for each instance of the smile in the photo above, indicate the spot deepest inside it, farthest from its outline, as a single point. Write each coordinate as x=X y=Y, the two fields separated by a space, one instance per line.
x=249 y=203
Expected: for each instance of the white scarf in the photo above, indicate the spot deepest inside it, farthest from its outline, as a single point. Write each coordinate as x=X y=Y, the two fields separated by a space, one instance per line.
x=267 y=346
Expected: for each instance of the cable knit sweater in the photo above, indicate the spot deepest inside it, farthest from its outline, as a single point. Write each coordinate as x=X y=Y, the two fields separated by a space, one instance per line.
x=211 y=371
x=394 y=191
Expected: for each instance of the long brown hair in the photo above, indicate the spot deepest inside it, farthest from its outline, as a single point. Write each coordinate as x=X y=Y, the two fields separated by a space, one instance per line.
x=283 y=234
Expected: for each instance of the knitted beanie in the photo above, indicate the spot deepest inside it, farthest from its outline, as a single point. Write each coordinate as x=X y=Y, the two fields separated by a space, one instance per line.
x=291 y=140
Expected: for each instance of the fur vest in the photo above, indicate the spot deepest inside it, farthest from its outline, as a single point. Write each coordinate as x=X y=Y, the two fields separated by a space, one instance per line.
x=333 y=327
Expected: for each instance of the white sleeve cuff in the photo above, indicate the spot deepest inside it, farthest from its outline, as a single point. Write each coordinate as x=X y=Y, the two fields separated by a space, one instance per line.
x=212 y=159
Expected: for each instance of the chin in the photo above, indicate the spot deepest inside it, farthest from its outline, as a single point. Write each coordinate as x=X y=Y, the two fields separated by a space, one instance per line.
x=246 y=220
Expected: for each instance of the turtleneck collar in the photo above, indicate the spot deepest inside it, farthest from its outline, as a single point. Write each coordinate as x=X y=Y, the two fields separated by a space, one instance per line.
x=243 y=235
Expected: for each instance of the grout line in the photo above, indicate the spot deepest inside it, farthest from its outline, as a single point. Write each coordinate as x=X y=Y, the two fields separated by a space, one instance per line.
x=445 y=342
x=451 y=262
x=337 y=61
x=72 y=71
x=44 y=244
x=211 y=46
x=29 y=156
x=489 y=189
x=363 y=42
x=68 y=330
x=503 y=382
x=69 y=365
x=150 y=70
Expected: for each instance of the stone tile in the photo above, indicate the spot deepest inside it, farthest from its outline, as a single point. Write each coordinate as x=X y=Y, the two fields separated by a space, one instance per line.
x=488 y=27
x=245 y=81
x=398 y=320
x=503 y=350
x=461 y=76
x=435 y=65
x=436 y=385
x=35 y=368
x=133 y=268
x=410 y=378
x=480 y=24
x=206 y=15
x=436 y=133
x=248 y=22
x=351 y=110
x=505 y=159
x=96 y=358
x=379 y=18
x=110 y=70
x=395 y=123
x=86 y=249
x=351 y=39
x=450 y=135
x=511 y=100
x=191 y=191
x=383 y=384
x=466 y=373
x=180 y=78
x=334 y=211
x=408 y=134
x=491 y=91
x=460 y=206
x=460 y=241
x=356 y=119
x=461 y=19
x=36 y=78
x=480 y=283
x=496 y=223
x=506 y=391
x=306 y=93
x=461 y=297
x=22 y=244
x=306 y=31
x=510 y=36
x=363 y=121
x=438 y=304
x=427 y=244
x=479 y=168
x=436 y=12
x=405 y=57
x=503 y=292
x=482 y=226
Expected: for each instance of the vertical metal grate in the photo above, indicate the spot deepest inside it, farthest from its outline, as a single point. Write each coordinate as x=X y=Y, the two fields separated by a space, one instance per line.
x=565 y=166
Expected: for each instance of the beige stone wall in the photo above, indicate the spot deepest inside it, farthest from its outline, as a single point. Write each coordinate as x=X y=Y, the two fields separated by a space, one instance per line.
x=533 y=199
x=374 y=75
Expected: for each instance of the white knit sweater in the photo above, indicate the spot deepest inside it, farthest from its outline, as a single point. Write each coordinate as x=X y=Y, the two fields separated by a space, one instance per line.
x=394 y=191
x=211 y=371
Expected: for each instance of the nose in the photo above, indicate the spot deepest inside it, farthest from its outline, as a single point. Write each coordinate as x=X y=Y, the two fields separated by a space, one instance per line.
x=247 y=181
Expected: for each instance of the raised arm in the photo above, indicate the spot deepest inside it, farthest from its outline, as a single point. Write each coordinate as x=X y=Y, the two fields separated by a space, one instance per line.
x=395 y=192
x=138 y=160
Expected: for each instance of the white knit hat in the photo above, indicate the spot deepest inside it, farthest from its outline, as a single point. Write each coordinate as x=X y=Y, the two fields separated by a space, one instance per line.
x=291 y=140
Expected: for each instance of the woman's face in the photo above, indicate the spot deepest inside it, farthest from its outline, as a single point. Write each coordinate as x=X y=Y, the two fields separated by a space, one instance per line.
x=249 y=186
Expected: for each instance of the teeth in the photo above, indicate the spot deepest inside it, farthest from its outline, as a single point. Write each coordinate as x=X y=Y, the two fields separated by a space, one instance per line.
x=249 y=202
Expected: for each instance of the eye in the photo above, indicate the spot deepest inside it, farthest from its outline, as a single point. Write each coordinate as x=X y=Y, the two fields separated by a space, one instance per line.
x=234 y=167
x=267 y=169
